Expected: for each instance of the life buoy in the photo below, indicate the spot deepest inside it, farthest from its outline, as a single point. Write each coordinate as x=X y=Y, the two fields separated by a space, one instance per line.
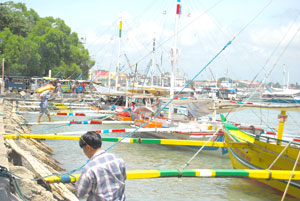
x=45 y=88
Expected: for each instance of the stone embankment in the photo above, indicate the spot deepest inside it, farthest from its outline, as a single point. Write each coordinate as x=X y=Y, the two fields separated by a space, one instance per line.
x=29 y=159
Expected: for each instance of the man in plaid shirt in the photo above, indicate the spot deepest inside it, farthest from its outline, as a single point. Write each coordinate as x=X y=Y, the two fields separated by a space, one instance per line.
x=103 y=177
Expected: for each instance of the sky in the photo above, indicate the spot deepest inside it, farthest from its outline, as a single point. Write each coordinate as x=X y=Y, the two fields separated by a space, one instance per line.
x=265 y=43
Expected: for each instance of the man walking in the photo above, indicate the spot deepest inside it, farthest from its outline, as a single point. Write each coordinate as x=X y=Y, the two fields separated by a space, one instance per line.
x=103 y=177
x=58 y=87
x=44 y=104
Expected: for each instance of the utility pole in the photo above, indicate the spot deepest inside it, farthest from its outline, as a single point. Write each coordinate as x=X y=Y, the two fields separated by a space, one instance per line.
x=2 y=69
x=1 y=89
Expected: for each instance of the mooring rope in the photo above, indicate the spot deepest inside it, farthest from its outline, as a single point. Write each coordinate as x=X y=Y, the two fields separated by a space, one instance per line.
x=5 y=173
x=173 y=97
x=78 y=169
x=292 y=174
x=228 y=43
x=192 y=158
x=279 y=155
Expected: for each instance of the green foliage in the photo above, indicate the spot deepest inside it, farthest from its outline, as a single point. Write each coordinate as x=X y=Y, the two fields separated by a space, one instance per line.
x=275 y=85
x=32 y=45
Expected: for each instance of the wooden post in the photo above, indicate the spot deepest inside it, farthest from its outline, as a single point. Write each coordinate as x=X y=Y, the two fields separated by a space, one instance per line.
x=3 y=70
x=1 y=86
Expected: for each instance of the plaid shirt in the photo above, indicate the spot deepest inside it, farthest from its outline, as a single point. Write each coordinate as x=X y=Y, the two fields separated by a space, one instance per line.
x=103 y=178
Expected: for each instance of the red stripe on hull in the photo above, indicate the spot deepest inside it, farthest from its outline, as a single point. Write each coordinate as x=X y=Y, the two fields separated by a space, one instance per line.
x=75 y=122
x=96 y=122
x=61 y=113
x=79 y=114
x=117 y=130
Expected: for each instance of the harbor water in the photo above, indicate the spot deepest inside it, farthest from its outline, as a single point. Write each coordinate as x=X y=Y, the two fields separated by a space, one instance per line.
x=150 y=157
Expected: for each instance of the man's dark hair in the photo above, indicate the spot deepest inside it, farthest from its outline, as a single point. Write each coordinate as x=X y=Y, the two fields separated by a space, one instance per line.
x=91 y=138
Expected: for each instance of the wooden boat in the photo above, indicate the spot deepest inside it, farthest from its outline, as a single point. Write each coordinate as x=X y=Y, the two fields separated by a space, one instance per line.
x=267 y=153
x=281 y=96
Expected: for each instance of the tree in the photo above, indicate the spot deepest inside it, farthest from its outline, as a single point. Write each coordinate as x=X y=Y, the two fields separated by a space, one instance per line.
x=32 y=45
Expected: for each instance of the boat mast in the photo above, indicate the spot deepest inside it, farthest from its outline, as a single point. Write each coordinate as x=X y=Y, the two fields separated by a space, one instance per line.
x=284 y=71
x=153 y=62
x=119 y=53
x=174 y=56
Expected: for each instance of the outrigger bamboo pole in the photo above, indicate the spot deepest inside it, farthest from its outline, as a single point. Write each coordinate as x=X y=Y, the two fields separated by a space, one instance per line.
x=79 y=122
x=205 y=133
x=55 y=107
x=133 y=140
x=74 y=111
x=52 y=103
x=202 y=173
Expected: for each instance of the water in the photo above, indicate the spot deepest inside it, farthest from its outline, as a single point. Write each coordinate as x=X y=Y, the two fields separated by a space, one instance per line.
x=146 y=157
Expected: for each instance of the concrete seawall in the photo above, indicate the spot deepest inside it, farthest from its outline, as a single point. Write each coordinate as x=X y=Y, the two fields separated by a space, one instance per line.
x=28 y=159
x=5 y=192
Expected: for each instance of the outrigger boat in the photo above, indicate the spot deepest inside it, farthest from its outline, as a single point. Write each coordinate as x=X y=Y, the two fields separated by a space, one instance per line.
x=205 y=129
x=265 y=152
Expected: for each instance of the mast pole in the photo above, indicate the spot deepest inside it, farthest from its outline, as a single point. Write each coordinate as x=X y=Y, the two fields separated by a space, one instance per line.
x=153 y=62
x=119 y=53
x=283 y=77
x=174 y=56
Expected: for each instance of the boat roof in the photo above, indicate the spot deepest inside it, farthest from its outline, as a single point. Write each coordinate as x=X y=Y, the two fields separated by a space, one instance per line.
x=253 y=105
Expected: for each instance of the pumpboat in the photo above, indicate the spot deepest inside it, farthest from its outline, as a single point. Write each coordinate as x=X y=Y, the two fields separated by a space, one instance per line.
x=265 y=152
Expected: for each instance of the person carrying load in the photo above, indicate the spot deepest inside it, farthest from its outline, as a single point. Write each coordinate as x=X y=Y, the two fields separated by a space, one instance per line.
x=46 y=92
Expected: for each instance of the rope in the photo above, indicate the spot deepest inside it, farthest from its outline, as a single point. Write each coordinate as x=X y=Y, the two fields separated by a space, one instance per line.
x=180 y=30
x=192 y=158
x=173 y=97
x=229 y=43
x=292 y=175
x=62 y=174
x=5 y=173
x=273 y=67
x=18 y=190
x=255 y=17
x=77 y=169
x=279 y=155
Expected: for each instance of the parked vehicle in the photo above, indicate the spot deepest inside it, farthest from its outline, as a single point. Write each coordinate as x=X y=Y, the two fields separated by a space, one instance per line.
x=18 y=83
x=83 y=85
x=36 y=82
x=66 y=86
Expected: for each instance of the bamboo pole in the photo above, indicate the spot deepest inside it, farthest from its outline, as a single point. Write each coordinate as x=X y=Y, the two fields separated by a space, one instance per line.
x=202 y=173
x=79 y=122
x=133 y=140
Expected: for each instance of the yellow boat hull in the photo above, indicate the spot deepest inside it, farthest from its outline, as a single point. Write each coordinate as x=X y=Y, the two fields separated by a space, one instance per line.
x=260 y=155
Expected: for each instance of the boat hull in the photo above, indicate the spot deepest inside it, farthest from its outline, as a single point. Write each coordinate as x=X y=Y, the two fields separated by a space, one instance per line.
x=272 y=100
x=260 y=155
x=199 y=136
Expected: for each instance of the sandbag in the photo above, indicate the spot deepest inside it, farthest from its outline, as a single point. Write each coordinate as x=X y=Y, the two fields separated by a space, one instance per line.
x=45 y=88
x=44 y=93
